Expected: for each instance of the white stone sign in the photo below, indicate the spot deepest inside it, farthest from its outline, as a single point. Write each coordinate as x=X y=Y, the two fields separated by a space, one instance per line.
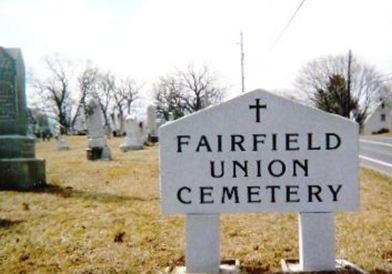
x=259 y=152
x=256 y=153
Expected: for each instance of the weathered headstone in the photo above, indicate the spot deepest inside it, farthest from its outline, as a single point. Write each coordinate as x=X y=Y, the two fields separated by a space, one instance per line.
x=97 y=145
x=61 y=143
x=19 y=167
x=134 y=135
x=259 y=153
x=152 y=124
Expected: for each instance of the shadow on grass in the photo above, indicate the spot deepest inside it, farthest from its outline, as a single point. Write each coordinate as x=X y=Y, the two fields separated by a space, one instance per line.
x=4 y=223
x=263 y=270
x=69 y=192
x=379 y=271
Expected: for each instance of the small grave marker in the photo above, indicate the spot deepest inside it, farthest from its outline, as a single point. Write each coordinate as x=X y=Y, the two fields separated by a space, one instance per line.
x=259 y=153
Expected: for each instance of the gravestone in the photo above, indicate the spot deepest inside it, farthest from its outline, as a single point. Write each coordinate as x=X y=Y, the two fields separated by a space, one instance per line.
x=171 y=116
x=145 y=131
x=61 y=143
x=134 y=135
x=259 y=153
x=97 y=145
x=152 y=124
x=19 y=167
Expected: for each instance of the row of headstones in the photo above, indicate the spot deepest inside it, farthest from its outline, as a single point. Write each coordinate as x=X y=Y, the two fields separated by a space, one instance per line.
x=137 y=133
x=20 y=169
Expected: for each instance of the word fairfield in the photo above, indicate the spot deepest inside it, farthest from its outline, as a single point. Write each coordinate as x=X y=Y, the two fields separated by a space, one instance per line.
x=258 y=142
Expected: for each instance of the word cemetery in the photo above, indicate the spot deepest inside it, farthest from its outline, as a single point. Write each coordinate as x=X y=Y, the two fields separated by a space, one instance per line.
x=259 y=153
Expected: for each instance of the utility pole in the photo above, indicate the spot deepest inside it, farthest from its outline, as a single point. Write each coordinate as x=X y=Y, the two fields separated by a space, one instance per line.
x=242 y=62
x=348 y=84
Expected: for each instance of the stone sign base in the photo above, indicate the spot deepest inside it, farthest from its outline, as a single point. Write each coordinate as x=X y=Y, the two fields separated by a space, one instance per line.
x=22 y=173
x=341 y=266
x=153 y=139
x=230 y=266
x=98 y=153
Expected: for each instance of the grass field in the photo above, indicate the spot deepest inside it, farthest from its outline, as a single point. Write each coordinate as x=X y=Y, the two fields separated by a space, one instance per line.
x=104 y=217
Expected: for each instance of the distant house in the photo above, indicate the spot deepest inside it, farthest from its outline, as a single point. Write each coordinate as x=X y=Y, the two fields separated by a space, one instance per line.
x=379 y=119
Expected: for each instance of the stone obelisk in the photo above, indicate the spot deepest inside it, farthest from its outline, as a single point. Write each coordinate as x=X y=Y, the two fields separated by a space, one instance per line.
x=18 y=165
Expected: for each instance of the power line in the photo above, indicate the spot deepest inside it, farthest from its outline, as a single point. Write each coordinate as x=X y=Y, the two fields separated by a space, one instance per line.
x=287 y=25
x=242 y=62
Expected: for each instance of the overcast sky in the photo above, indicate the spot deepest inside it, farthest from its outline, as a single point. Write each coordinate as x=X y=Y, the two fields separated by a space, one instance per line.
x=149 y=38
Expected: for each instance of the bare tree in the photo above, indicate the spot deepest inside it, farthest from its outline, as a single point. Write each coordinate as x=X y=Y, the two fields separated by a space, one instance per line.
x=87 y=82
x=106 y=89
x=55 y=89
x=321 y=76
x=169 y=97
x=200 y=87
x=129 y=91
x=187 y=91
x=124 y=94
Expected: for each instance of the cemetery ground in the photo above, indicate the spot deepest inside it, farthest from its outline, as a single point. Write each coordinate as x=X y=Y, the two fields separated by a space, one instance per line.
x=104 y=217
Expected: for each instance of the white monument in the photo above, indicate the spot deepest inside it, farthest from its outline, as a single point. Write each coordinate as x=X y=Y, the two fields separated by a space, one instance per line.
x=97 y=146
x=259 y=153
x=134 y=139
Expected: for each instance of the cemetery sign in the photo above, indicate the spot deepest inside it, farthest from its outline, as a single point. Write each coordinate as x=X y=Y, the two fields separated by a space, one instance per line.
x=257 y=153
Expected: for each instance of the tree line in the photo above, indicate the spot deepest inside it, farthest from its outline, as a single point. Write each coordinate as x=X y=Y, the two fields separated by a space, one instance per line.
x=64 y=91
x=336 y=84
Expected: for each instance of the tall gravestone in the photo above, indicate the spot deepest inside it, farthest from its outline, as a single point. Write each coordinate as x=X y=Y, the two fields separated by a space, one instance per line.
x=97 y=145
x=19 y=167
x=152 y=124
x=134 y=135
x=259 y=153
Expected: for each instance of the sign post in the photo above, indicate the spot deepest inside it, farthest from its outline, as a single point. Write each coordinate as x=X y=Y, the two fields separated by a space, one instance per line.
x=259 y=153
x=202 y=243
x=316 y=241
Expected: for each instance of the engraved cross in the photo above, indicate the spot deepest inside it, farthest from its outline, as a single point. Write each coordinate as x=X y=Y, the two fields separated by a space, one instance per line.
x=257 y=106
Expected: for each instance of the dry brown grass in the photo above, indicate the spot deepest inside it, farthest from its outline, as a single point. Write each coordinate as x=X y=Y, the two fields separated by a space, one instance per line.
x=104 y=217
